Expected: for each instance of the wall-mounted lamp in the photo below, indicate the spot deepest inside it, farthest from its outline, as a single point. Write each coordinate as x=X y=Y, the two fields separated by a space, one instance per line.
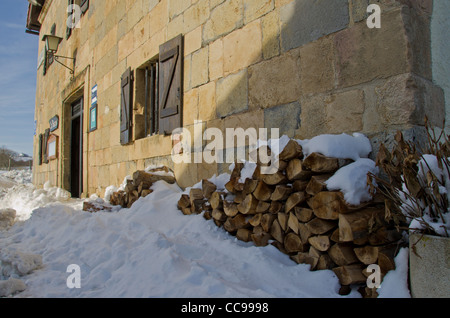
x=51 y=44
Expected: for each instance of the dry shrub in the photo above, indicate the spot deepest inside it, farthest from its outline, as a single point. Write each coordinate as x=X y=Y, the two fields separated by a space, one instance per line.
x=416 y=181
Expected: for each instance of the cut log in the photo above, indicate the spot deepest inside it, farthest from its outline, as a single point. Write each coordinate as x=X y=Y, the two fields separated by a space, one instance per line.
x=304 y=232
x=283 y=220
x=275 y=207
x=304 y=258
x=95 y=207
x=275 y=178
x=350 y=274
x=197 y=206
x=208 y=188
x=292 y=150
x=367 y=254
x=232 y=224
x=296 y=171
x=260 y=237
x=230 y=208
x=318 y=226
x=293 y=223
x=256 y=219
x=146 y=192
x=239 y=187
x=356 y=226
x=184 y=202
x=320 y=242
x=277 y=232
x=266 y=221
x=294 y=200
x=248 y=206
x=195 y=194
x=300 y=185
x=219 y=215
x=118 y=198
x=384 y=235
x=148 y=178
x=319 y=163
x=342 y=254
x=386 y=258
x=317 y=184
x=303 y=214
x=216 y=200
x=262 y=207
x=281 y=193
x=328 y=205
x=262 y=191
x=293 y=243
x=239 y=197
x=250 y=185
x=230 y=184
x=244 y=235
x=325 y=262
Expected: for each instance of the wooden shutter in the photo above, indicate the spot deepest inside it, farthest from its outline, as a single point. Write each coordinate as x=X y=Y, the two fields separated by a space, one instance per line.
x=126 y=107
x=171 y=85
x=44 y=145
x=69 y=30
x=84 y=6
x=41 y=142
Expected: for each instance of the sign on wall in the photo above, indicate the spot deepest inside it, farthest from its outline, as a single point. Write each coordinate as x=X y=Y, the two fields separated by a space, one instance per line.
x=54 y=123
x=93 y=113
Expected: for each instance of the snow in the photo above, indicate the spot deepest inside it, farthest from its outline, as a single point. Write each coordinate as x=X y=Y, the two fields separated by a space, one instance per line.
x=150 y=250
x=352 y=181
x=338 y=146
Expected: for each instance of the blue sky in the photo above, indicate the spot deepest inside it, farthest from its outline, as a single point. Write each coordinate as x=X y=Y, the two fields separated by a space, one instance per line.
x=18 y=67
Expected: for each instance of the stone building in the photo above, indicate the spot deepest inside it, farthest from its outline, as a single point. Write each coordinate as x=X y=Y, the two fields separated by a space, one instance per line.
x=144 y=67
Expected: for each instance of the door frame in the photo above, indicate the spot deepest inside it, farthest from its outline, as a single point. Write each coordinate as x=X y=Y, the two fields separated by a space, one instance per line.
x=79 y=115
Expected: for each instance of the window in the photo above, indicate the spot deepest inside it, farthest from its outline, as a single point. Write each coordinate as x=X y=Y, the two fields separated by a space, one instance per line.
x=83 y=5
x=158 y=94
x=146 y=100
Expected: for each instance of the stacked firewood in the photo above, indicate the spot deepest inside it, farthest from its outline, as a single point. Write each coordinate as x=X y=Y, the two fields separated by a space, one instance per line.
x=293 y=210
x=139 y=186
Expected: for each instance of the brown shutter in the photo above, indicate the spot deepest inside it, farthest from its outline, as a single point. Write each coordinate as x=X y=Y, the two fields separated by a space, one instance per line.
x=44 y=145
x=84 y=6
x=125 y=107
x=68 y=30
x=41 y=141
x=171 y=85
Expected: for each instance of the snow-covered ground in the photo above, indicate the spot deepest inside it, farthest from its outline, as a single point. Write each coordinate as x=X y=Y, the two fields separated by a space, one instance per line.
x=149 y=250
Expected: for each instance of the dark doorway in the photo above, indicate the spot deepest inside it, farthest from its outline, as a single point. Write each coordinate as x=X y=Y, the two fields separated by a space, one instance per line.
x=76 y=150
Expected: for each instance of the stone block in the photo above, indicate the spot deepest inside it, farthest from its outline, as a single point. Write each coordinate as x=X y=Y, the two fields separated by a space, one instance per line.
x=331 y=113
x=207 y=101
x=190 y=107
x=196 y=15
x=224 y=18
x=284 y=117
x=216 y=59
x=317 y=66
x=401 y=101
x=192 y=40
x=254 y=9
x=304 y=21
x=242 y=48
x=270 y=25
x=275 y=82
x=364 y=54
x=199 y=67
x=344 y=112
x=232 y=94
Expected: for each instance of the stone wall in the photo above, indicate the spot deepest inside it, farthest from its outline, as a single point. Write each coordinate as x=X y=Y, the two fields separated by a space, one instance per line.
x=306 y=67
